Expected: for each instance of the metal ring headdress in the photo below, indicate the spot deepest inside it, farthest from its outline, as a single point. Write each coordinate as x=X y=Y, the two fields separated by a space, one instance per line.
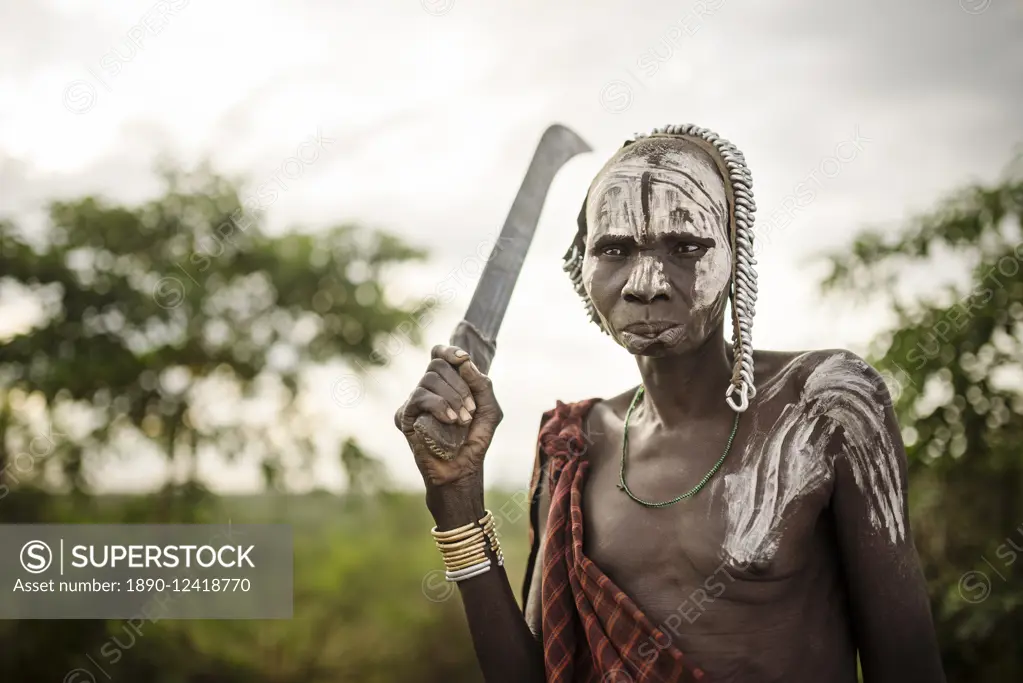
x=743 y=293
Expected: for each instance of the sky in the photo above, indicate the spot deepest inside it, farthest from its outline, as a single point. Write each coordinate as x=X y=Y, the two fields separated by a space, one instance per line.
x=424 y=115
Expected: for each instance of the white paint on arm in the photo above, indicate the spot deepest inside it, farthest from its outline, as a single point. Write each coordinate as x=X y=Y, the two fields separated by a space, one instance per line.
x=850 y=387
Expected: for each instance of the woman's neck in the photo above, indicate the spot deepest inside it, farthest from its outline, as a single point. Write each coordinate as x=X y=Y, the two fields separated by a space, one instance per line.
x=686 y=385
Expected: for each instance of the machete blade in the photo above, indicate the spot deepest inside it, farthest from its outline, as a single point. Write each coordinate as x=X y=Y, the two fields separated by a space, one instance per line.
x=477 y=332
x=493 y=292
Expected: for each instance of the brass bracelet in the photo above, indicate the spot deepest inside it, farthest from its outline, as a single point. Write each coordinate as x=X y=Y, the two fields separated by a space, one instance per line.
x=444 y=535
x=467 y=545
x=468 y=562
x=465 y=527
x=464 y=543
x=462 y=554
x=451 y=537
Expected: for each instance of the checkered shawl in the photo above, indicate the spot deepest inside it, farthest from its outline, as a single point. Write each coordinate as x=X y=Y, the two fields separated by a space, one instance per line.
x=592 y=631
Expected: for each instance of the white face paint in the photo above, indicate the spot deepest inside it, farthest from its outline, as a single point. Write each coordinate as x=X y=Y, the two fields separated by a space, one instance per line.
x=655 y=189
x=791 y=461
x=648 y=275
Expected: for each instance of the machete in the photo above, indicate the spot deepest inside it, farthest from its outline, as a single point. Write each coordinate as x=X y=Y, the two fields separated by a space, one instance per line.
x=477 y=332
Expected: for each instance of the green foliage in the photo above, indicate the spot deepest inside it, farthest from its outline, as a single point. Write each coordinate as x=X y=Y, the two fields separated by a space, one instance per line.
x=365 y=474
x=954 y=365
x=152 y=313
x=370 y=604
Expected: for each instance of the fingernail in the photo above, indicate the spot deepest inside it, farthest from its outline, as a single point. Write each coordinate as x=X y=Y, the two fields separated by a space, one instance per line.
x=470 y=404
x=464 y=414
x=460 y=354
x=452 y=415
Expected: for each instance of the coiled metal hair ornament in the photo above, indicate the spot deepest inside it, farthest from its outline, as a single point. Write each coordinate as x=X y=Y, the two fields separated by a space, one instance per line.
x=743 y=292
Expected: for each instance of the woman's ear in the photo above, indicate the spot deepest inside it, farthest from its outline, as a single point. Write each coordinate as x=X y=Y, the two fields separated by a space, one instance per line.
x=574 y=263
x=578 y=248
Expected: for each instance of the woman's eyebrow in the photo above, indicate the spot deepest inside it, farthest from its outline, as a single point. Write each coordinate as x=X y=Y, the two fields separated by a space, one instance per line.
x=674 y=233
x=613 y=238
x=618 y=238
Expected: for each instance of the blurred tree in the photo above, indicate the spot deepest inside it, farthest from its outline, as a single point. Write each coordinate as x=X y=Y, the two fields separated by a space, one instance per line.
x=180 y=325
x=954 y=365
x=366 y=474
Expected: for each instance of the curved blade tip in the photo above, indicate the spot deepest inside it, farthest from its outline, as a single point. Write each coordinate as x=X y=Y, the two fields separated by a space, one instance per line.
x=578 y=146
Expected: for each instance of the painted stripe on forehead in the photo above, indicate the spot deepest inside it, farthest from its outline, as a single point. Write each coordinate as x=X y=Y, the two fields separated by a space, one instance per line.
x=708 y=204
x=644 y=201
x=623 y=198
x=700 y=169
x=685 y=182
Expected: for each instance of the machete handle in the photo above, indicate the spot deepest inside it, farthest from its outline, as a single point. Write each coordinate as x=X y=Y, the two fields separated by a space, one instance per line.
x=444 y=440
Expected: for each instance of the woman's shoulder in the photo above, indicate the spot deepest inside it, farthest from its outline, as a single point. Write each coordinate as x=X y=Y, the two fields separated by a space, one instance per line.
x=587 y=410
x=803 y=373
x=567 y=426
x=565 y=421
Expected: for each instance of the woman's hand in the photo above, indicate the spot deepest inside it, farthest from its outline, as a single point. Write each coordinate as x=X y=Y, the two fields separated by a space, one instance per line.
x=454 y=391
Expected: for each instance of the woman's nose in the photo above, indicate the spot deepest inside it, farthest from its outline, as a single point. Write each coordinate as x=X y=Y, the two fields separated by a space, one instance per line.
x=647 y=282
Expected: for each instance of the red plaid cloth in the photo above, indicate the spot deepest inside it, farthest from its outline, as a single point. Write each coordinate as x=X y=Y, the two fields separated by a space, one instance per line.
x=592 y=631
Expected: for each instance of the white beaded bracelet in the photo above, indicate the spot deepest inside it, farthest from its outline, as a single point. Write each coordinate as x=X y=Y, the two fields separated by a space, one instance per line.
x=468 y=572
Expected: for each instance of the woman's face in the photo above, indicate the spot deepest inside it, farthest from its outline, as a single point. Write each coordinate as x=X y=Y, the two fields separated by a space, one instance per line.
x=658 y=250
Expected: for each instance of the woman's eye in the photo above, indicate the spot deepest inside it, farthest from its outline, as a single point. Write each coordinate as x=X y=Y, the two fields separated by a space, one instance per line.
x=612 y=251
x=687 y=248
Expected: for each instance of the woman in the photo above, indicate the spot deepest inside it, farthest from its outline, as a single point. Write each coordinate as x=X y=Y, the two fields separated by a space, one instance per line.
x=738 y=516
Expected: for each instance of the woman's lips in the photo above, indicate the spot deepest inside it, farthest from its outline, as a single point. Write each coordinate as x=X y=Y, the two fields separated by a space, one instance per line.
x=640 y=336
x=649 y=329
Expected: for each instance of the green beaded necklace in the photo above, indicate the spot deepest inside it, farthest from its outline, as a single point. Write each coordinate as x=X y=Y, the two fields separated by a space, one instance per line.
x=688 y=494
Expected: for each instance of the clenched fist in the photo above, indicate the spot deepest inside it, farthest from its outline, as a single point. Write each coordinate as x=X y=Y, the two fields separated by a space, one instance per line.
x=455 y=392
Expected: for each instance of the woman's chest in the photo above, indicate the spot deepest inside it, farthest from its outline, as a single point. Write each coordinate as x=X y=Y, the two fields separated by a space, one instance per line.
x=755 y=520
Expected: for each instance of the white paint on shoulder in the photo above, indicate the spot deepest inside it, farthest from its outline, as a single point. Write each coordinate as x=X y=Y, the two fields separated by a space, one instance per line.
x=790 y=461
